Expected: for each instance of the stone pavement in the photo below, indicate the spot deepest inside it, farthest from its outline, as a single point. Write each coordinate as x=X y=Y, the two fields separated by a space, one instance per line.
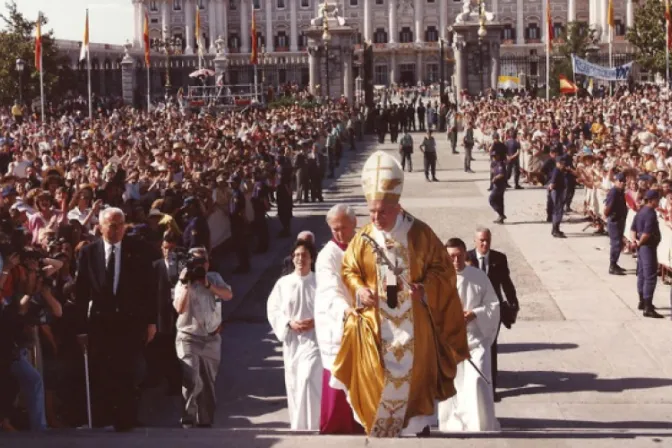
x=581 y=367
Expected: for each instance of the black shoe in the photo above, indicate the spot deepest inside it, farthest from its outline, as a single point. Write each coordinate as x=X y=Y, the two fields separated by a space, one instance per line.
x=508 y=186
x=424 y=433
x=518 y=187
x=490 y=189
x=614 y=271
x=651 y=312
x=618 y=268
x=428 y=179
x=434 y=179
x=455 y=152
x=187 y=424
x=498 y=398
x=549 y=219
x=499 y=220
x=558 y=235
x=641 y=305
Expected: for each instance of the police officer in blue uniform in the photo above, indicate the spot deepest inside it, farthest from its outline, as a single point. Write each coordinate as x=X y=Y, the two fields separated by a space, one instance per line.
x=646 y=235
x=260 y=204
x=557 y=185
x=498 y=187
x=616 y=212
x=237 y=217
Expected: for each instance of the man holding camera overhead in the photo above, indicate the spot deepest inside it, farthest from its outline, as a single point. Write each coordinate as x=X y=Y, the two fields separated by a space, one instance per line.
x=197 y=302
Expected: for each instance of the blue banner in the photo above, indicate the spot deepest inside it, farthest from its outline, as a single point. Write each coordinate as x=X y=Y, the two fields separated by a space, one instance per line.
x=583 y=67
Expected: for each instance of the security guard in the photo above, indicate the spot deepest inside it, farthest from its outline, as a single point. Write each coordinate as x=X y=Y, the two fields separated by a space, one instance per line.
x=646 y=235
x=260 y=204
x=498 y=170
x=616 y=212
x=406 y=150
x=394 y=124
x=547 y=169
x=237 y=217
x=557 y=185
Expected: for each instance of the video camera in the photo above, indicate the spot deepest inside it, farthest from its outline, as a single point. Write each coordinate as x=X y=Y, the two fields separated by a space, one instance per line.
x=195 y=266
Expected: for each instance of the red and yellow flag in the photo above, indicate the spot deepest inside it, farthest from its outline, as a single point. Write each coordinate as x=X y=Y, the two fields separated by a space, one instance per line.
x=254 y=59
x=145 y=38
x=566 y=86
x=668 y=24
x=549 y=26
x=199 y=35
x=38 y=44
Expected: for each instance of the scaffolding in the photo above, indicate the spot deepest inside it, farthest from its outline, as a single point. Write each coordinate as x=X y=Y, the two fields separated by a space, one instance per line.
x=224 y=96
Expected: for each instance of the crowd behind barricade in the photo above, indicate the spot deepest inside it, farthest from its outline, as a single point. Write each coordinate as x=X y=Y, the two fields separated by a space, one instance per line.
x=184 y=181
x=611 y=146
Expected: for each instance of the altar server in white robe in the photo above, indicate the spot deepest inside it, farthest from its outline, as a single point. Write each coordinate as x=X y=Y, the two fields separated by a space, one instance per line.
x=332 y=304
x=473 y=407
x=291 y=313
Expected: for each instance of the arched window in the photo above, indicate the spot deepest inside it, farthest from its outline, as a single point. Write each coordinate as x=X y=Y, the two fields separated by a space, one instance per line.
x=281 y=41
x=431 y=34
x=508 y=32
x=405 y=35
x=234 y=41
x=153 y=6
x=380 y=36
x=177 y=5
x=533 y=32
x=558 y=29
x=619 y=28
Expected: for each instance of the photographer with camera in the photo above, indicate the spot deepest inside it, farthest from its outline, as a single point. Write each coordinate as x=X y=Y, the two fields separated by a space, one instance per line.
x=198 y=297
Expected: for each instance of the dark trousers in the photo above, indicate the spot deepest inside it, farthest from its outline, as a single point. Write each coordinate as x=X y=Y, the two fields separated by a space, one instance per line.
x=452 y=137
x=569 y=195
x=162 y=360
x=260 y=227
x=302 y=185
x=316 y=187
x=381 y=136
x=513 y=167
x=421 y=122
x=410 y=124
x=616 y=229
x=493 y=358
x=116 y=370
x=331 y=161
x=240 y=241
x=497 y=200
x=284 y=203
x=549 y=206
x=406 y=156
x=467 y=159
x=647 y=273
x=430 y=164
x=558 y=198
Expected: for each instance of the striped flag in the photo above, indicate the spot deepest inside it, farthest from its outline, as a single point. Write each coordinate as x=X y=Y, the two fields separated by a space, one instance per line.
x=85 y=43
x=38 y=44
x=199 y=35
x=549 y=25
x=145 y=38
x=254 y=59
x=566 y=86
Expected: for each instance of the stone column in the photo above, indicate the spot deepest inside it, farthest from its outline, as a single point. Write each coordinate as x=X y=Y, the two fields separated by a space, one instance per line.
x=571 y=11
x=137 y=20
x=494 y=65
x=629 y=14
x=224 y=24
x=313 y=70
x=212 y=24
x=520 y=23
x=245 y=18
x=392 y=13
x=127 y=79
x=604 y=6
x=270 y=45
x=443 y=18
x=293 y=27
x=189 y=23
x=419 y=20
x=459 y=66
x=368 y=19
x=346 y=54
x=393 y=68
x=221 y=68
x=165 y=21
x=418 y=67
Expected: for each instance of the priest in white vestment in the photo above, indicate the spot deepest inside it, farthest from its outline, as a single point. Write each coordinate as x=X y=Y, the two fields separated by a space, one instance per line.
x=473 y=407
x=291 y=313
x=332 y=305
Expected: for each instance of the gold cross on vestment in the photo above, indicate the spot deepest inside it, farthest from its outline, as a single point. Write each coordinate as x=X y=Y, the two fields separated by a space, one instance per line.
x=378 y=168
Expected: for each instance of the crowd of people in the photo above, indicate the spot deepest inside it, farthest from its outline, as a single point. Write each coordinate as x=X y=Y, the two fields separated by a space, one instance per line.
x=138 y=197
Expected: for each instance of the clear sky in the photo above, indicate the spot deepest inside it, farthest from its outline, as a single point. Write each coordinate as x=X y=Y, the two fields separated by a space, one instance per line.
x=110 y=21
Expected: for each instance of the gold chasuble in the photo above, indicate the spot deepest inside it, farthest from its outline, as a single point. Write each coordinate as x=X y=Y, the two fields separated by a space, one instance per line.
x=395 y=363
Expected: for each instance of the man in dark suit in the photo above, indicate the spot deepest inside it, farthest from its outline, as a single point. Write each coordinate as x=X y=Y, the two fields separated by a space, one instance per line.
x=162 y=361
x=116 y=310
x=496 y=265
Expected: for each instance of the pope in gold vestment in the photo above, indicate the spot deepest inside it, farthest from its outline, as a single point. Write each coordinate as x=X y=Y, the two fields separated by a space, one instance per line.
x=396 y=362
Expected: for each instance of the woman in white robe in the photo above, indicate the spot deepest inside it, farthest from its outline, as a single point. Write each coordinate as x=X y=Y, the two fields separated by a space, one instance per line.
x=291 y=312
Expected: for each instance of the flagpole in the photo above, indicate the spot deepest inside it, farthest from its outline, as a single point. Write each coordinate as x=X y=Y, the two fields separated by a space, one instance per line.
x=256 y=93
x=667 y=47
x=88 y=71
x=548 y=72
x=39 y=17
x=149 y=89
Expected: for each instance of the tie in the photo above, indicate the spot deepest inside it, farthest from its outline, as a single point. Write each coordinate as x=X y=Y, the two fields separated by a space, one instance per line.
x=482 y=262
x=109 y=272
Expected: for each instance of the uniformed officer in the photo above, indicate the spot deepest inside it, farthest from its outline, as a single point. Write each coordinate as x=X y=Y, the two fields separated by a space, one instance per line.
x=237 y=217
x=394 y=124
x=283 y=196
x=421 y=115
x=410 y=117
x=261 y=205
x=498 y=175
x=316 y=168
x=646 y=235
x=406 y=150
x=547 y=169
x=557 y=186
x=428 y=148
x=616 y=212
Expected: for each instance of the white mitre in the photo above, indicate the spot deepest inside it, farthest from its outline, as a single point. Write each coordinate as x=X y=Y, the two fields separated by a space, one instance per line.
x=382 y=178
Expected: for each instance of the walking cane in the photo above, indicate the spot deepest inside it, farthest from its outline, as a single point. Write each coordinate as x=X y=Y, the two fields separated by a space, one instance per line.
x=88 y=387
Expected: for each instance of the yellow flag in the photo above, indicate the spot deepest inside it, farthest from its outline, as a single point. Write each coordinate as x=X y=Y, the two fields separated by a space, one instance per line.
x=610 y=14
x=85 y=43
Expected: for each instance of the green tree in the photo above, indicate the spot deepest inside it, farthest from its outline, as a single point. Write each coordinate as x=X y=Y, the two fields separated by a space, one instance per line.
x=577 y=38
x=647 y=35
x=17 y=40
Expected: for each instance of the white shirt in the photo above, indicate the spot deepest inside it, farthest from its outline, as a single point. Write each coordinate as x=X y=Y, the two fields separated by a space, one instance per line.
x=486 y=260
x=117 y=261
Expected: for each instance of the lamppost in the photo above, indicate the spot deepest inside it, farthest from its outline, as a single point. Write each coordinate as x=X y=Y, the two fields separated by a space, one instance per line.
x=170 y=46
x=326 y=37
x=482 y=33
x=20 y=65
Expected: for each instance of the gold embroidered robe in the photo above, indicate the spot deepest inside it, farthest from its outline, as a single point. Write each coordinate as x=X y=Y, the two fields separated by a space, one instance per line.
x=385 y=403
